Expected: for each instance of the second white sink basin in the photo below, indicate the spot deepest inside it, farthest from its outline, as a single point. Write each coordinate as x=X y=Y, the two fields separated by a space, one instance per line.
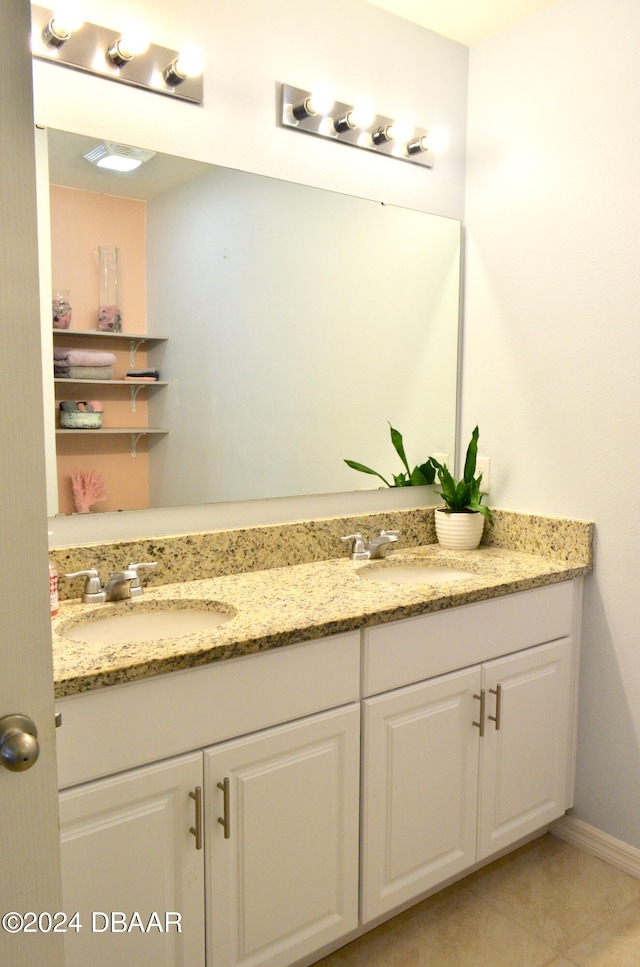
x=146 y=625
x=414 y=574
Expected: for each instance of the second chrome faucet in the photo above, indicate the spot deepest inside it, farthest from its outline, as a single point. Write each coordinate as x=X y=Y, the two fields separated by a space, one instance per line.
x=376 y=549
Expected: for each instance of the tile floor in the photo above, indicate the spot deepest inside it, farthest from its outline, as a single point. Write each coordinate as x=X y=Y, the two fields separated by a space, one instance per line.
x=547 y=904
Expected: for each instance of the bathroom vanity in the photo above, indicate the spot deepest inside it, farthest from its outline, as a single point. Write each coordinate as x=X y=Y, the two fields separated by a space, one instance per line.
x=337 y=750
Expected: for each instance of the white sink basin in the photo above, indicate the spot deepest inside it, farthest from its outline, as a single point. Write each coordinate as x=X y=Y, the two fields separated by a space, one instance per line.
x=146 y=625
x=414 y=574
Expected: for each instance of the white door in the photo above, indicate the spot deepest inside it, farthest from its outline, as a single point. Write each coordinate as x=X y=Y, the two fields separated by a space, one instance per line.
x=523 y=755
x=29 y=854
x=282 y=872
x=132 y=868
x=419 y=791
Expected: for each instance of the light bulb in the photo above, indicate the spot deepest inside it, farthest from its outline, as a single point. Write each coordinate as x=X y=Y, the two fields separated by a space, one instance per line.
x=134 y=40
x=190 y=61
x=400 y=130
x=362 y=115
x=320 y=102
x=435 y=141
x=66 y=18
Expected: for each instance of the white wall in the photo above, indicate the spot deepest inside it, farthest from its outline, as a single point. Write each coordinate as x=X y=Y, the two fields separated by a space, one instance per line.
x=250 y=46
x=552 y=333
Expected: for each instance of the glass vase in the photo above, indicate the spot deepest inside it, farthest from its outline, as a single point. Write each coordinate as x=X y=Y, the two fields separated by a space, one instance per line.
x=109 y=317
x=61 y=309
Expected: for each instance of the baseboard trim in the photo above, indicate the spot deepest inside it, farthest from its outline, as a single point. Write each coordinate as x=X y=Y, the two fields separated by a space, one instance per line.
x=592 y=840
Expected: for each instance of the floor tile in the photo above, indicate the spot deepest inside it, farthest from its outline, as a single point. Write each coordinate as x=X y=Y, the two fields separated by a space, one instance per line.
x=333 y=960
x=467 y=934
x=556 y=891
x=617 y=944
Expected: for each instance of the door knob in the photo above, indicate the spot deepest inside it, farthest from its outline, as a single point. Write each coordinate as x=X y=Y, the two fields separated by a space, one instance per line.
x=19 y=747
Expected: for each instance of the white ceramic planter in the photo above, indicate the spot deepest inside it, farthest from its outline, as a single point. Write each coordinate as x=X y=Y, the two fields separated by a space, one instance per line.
x=458 y=532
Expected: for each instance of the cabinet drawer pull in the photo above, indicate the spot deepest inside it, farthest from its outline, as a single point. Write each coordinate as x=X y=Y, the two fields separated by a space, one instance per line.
x=497 y=691
x=197 y=829
x=225 y=820
x=482 y=698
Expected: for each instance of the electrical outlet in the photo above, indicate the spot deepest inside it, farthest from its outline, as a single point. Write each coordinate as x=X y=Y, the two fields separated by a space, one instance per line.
x=483 y=465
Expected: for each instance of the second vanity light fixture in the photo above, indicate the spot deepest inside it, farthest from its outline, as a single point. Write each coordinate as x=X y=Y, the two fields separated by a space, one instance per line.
x=358 y=125
x=61 y=36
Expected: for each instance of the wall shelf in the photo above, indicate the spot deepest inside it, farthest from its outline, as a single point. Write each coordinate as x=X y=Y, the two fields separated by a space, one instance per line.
x=135 y=431
x=135 y=339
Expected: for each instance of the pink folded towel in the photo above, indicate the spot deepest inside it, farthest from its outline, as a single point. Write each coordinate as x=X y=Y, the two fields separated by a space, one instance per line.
x=82 y=357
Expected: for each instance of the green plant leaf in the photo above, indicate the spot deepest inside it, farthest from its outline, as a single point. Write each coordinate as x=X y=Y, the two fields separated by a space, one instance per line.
x=424 y=475
x=361 y=467
x=470 y=459
x=396 y=439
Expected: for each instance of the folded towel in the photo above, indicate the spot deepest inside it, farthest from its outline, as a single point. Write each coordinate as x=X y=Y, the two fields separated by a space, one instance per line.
x=143 y=373
x=83 y=372
x=82 y=357
x=142 y=379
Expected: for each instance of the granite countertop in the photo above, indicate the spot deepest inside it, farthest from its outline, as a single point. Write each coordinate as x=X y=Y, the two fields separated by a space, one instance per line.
x=279 y=606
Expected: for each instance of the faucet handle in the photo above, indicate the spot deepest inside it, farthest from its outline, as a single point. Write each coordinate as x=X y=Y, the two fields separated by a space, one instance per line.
x=358 y=552
x=136 y=584
x=93 y=590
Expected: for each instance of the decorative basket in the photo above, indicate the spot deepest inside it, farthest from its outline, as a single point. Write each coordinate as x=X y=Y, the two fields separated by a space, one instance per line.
x=80 y=421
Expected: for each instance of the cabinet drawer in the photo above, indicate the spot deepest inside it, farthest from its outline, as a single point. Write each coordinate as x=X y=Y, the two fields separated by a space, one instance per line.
x=116 y=728
x=410 y=650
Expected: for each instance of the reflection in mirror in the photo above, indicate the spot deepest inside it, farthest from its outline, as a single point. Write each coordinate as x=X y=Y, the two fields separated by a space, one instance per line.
x=298 y=321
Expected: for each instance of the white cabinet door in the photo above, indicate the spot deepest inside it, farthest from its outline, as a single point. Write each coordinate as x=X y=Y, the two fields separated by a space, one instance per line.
x=127 y=849
x=419 y=788
x=523 y=763
x=282 y=874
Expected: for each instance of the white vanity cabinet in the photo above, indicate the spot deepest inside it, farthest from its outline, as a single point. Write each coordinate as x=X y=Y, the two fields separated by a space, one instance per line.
x=362 y=768
x=459 y=766
x=282 y=822
x=286 y=880
x=127 y=855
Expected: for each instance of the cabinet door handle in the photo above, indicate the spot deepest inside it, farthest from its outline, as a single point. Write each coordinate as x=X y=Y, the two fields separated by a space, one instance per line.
x=197 y=829
x=482 y=698
x=225 y=819
x=497 y=691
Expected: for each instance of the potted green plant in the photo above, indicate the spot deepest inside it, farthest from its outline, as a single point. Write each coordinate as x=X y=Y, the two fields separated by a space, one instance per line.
x=420 y=476
x=459 y=524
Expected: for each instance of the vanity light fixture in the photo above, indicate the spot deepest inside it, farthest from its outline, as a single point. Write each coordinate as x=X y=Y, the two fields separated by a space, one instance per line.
x=125 y=55
x=358 y=126
x=118 y=157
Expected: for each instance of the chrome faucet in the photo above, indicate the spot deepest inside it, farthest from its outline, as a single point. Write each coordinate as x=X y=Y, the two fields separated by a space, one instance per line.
x=117 y=588
x=381 y=546
x=377 y=549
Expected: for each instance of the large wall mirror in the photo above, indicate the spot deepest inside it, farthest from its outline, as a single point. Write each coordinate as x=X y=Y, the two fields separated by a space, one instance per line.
x=298 y=323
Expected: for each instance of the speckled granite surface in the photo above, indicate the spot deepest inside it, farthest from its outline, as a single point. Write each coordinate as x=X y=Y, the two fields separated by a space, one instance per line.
x=212 y=554
x=279 y=605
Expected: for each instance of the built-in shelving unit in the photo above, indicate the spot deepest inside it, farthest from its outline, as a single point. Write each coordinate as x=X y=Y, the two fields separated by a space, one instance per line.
x=135 y=385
